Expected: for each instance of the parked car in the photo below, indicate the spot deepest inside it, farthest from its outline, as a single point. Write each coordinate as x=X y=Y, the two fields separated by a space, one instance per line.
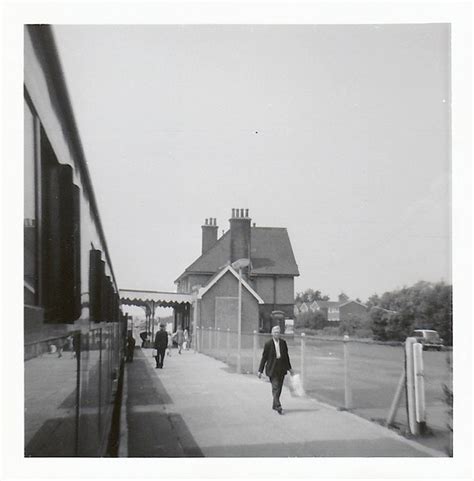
x=429 y=339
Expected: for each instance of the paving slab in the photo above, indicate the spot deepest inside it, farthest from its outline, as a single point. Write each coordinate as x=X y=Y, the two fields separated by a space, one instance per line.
x=195 y=406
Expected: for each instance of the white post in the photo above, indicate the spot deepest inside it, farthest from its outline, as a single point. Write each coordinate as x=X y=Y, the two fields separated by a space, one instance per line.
x=302 y=363
x=196 y=339
x=210 y=338
x=218 y=332
x=239 y=326
x=396 y=399
x=195 y=308
x=409 y=363
x=420 y=410
x=227 y=347
x=254 y=353
x=347 y=384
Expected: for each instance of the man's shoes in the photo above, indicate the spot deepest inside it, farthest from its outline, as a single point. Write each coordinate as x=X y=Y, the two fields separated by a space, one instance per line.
x=279 y=410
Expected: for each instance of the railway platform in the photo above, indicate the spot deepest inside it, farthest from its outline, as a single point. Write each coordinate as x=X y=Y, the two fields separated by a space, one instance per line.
x=197 y=407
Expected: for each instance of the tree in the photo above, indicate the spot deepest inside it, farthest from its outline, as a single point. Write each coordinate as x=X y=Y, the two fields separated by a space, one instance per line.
x=424 y=305
x=343 y=297
x=310 y=295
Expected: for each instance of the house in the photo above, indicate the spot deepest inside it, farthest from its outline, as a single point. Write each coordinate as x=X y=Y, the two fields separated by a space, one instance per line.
x=352 y=309
x=268 y=281
x=330 y=309
x=335 y=311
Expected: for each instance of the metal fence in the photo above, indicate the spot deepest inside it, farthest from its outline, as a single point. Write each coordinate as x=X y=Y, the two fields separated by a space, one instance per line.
x=351 y=374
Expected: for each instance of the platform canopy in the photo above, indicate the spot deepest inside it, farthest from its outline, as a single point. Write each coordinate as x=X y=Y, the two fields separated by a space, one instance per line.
x=132 y=297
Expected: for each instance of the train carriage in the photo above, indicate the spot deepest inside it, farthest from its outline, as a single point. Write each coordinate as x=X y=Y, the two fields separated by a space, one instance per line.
x=74 y=329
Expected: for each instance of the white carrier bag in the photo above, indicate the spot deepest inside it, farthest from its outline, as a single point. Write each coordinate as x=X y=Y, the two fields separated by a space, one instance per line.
x=296 y=386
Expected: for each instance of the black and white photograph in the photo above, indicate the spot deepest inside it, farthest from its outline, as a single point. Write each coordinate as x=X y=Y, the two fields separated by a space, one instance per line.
x=238 y=242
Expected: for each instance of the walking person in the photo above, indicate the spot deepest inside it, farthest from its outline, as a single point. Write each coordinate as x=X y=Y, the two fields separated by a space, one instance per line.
x=161 y=343
x=179 y=337
x=130 y=347
x=276 y=361
x=186 y=340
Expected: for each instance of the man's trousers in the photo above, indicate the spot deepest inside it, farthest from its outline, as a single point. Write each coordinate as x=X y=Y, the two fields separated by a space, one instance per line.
x=160 y=357
x=277 y=385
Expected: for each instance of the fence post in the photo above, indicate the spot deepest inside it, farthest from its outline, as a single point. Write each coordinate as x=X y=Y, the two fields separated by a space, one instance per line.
x=396 y=398
x=196 y=339
x=410 y=385
x=210 y=339
x=227 y=346
x=218 y=334
x=254 y=353
x=302 y=363
x=347 y=384
x=418 y=372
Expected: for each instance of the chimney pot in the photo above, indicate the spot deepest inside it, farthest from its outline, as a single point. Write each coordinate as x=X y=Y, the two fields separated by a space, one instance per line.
x=241 y=212
x=246 y=212
x=209 y=234
x=233 y=212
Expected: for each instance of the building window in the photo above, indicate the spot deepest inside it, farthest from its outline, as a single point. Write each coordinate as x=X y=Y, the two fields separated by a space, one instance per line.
x=30 y=225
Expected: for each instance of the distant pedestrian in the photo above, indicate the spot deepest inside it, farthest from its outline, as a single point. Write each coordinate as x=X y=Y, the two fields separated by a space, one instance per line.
x=130 y=347
x=170 y=345
x=179 y=337
x=186 y=340
x=143 y=337
x=276 y=361
x=60 y=347
x=161 y=343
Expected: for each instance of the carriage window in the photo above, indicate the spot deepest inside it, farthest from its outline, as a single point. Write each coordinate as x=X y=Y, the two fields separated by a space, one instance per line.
x=30 y=218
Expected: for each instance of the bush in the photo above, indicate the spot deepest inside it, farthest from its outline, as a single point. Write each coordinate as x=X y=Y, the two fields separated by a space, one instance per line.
x=352 y=325
x=330 y=331
x=310 y=320
x=363 y=333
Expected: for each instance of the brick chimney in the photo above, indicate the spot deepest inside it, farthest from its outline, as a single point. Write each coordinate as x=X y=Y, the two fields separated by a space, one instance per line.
x=239 y=234
x=209 y=234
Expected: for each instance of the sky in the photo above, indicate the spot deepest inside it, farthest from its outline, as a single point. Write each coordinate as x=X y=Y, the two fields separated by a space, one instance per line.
x=341 y=134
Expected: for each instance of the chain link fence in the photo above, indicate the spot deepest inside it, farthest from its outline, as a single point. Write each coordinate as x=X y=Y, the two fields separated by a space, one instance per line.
x=360 y=376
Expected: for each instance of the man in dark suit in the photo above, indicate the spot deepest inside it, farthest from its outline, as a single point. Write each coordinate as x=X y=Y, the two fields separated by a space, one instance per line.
x=161 y=343
x=276 y=361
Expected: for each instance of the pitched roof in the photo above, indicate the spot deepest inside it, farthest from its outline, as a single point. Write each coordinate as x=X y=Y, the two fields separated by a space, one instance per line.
x=353 y=301
x=271 y=253
x=202 y=291
x=324 y=304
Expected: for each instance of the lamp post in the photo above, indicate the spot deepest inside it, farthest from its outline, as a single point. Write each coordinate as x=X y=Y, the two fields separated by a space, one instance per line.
x=240 y=264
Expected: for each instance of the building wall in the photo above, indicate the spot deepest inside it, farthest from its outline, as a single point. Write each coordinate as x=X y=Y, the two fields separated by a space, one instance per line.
x=333 y=314
x=228 y=286
x=285 y=290
x=186 y=284
x=275 y=290
x=352 y=309
x=264 y=287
